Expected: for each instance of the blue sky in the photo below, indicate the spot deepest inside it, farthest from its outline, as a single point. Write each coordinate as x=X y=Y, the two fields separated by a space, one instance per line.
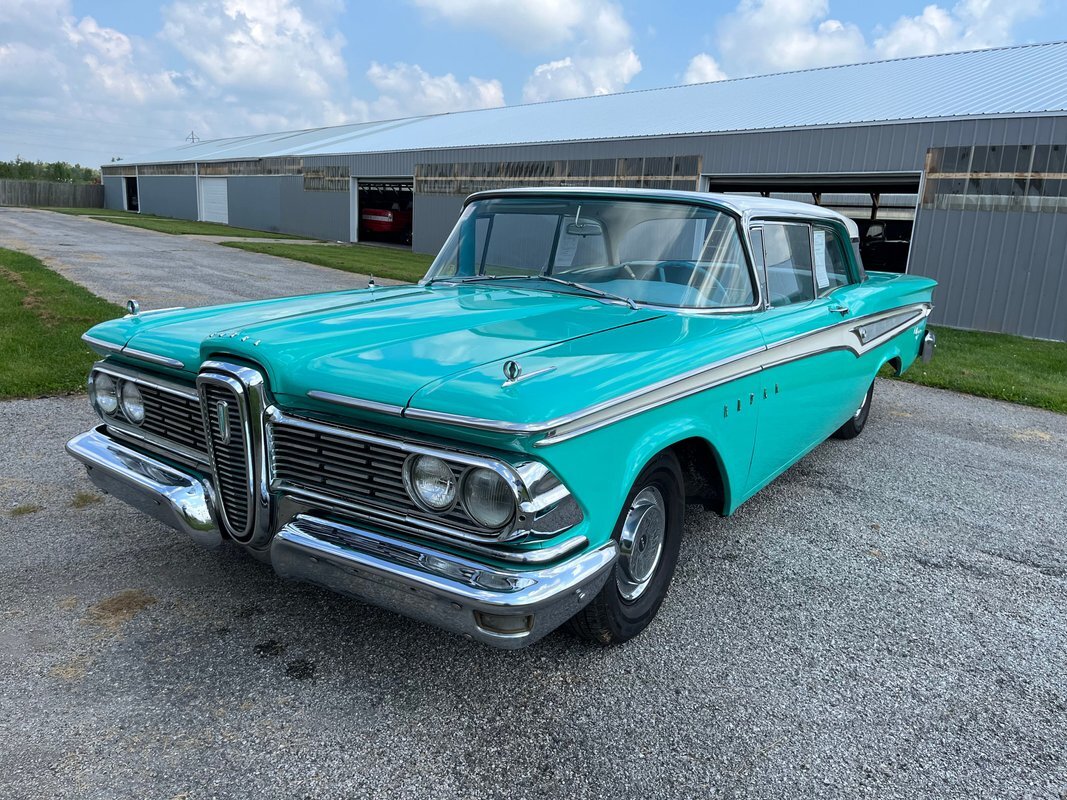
x=86 y=80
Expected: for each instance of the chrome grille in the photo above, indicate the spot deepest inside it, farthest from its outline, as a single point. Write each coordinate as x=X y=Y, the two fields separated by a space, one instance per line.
x=173 y=417
x=224 y=416
x=363 y=473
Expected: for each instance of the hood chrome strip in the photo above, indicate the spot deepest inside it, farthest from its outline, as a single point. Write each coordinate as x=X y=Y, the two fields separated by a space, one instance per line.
x=151 y=358
x=845 y=335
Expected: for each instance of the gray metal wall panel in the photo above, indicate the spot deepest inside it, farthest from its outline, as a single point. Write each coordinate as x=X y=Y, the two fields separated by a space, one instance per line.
x=318 y=215
x=112 y=193
x=997 y=272
x=255 y=202
x=434 y=217
x=166 y=195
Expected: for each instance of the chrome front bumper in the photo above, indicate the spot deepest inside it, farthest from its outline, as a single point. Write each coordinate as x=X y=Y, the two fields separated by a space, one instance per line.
x=927 y=346
x=505 y=608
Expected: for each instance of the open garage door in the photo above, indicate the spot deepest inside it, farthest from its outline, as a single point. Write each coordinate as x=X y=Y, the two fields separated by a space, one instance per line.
x=882 y=205
x=382 y=210
x=214 y=200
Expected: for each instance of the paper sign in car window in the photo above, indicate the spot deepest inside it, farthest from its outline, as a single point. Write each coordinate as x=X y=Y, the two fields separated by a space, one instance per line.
x=566 y=250
x=821 y=278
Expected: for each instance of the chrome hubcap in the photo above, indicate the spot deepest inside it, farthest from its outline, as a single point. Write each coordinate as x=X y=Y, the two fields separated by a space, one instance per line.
x=641 y=543
x=859 y=411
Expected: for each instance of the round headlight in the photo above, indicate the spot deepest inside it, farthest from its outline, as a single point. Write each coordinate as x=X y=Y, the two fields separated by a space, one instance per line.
x=105 y=393
x=132 y=403
x=488 y=497
x=430 y=483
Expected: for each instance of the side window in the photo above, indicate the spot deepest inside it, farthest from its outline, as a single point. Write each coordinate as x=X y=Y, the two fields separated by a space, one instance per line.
x=787 y=254
x=831 y=263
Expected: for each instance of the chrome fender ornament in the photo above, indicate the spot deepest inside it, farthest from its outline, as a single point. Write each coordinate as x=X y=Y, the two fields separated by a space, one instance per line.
x=133 y=308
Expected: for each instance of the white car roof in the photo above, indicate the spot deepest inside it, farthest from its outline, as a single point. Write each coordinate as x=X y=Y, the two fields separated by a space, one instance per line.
x=748 y=208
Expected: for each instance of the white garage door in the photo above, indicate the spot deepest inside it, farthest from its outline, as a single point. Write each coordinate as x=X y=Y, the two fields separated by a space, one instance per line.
x=213 y=200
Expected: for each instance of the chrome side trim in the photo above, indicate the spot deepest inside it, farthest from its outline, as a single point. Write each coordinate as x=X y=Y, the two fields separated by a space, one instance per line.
x=151 y=358
x=437 y=587
x=356 y=402
x=174 y=498
x=100 y=344
x=843 y=335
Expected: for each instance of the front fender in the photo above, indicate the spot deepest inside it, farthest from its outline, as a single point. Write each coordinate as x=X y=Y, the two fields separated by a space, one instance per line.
x=600 y=467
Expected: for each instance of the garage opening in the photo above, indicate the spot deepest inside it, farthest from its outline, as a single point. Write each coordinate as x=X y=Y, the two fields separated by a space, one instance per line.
x=882 y=205
x=129 y=194
x=383 y=210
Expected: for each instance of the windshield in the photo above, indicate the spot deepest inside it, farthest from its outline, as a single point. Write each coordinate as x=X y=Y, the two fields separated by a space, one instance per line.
x=659 y=253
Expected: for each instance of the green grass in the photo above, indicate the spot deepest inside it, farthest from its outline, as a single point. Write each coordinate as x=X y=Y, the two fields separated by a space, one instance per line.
x=169 y=224
x=42 y=317
x=92 y=212
x=1025 y=371
x=382 y=262
x=185 y=226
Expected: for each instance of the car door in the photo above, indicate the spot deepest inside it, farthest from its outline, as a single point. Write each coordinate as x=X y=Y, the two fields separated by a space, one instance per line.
x=810 y=383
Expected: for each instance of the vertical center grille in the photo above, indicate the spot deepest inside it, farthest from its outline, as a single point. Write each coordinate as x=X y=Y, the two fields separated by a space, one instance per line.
x=225 y=410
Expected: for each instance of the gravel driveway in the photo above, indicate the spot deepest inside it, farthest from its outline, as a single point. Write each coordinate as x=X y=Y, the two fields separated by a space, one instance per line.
x=118 y=262
x=885 y=620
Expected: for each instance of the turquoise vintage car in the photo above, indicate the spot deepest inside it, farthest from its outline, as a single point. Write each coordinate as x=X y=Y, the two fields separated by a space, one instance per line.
x=510 y=444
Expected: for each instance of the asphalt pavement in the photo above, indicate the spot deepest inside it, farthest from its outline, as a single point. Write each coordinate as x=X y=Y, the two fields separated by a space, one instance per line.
x=160 y=270
x=885 y=620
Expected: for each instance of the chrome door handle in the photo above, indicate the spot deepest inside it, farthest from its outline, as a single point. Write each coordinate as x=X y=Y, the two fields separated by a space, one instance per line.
x=839 y=309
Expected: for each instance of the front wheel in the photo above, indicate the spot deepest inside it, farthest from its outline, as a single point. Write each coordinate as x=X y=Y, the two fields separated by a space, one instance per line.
x=649 y=534
x=854 y=426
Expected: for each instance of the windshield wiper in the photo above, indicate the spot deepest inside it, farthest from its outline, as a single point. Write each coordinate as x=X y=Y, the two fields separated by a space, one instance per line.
x=550 y=278
x=591 y=289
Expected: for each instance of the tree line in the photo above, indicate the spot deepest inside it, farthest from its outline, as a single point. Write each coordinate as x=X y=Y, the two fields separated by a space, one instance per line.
x=61 y=171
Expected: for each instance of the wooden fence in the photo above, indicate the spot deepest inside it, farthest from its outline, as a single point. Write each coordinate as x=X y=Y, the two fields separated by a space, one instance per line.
x=49 y=193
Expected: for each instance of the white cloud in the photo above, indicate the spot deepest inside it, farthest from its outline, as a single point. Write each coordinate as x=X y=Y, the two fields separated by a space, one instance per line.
x=603 y=59
x=970 y=25
x=532 y=25
x=777 y=35
x=78 y=90
x=589 y=41
x=408 y=89
x=703 y=69
x=761 y=36
x=270 y=46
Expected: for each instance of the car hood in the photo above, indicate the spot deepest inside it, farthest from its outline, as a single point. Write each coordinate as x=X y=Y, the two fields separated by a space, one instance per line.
x=383 y=345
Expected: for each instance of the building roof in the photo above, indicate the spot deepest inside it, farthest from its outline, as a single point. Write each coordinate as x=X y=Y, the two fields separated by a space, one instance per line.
x=1007 y=81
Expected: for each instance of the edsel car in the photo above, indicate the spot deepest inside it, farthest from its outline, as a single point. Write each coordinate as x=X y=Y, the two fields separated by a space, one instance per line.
x=511 y=444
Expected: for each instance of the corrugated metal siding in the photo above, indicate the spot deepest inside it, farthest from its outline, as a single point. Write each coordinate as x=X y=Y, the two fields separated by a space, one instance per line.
x=112 y=192
x=1000 y=272
x=167 y=196
x=1015 y=80
x=256 y=203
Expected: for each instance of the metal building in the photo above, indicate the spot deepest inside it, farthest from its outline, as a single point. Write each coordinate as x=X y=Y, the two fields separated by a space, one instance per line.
x=955 y=166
